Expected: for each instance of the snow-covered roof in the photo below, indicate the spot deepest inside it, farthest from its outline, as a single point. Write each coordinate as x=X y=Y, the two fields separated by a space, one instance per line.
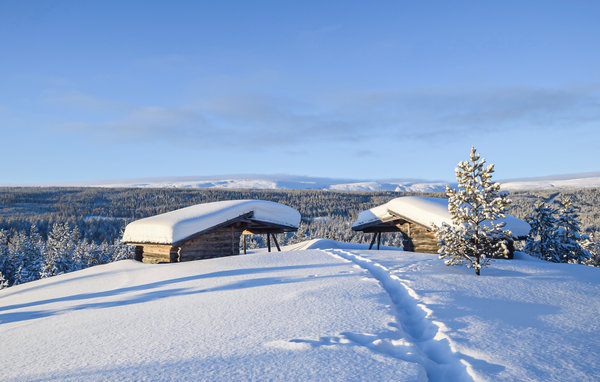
x=178 y=225
x=426 y=212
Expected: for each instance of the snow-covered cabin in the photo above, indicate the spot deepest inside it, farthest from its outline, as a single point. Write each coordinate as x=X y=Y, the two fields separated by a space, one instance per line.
x=207 y=230
x=414 y=217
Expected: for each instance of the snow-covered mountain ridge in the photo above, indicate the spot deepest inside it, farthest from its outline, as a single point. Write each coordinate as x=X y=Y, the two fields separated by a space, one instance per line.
x=251 y=181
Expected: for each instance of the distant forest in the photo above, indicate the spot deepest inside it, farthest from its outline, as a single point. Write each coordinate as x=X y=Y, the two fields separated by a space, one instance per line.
x=49 y=231
x=100 y=214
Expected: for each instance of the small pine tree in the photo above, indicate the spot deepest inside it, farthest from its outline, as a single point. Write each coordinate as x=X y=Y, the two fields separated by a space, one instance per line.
x=541 y=239
x=121 y=251
x=5 y=263
x=568 y=234
x=556 y=235
x=59 y=249
x=475 y=236
x=592 y=246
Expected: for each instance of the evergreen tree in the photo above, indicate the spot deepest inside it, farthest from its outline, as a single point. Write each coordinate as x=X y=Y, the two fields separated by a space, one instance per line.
x=541 y=239
x=4 y=258
x=98 y=254
x=121 y=251
x=592 y=246
x=59 y=249
x=475 y=236
x=19 y=254
x=568 y=234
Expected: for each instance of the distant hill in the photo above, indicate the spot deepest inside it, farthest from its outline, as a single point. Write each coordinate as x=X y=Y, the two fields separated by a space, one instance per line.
x=282 y=181
x=582 y=180
x=256 y=181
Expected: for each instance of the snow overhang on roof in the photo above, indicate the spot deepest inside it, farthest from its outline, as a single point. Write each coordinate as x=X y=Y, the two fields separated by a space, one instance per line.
x=426 y=212
x=179 y=225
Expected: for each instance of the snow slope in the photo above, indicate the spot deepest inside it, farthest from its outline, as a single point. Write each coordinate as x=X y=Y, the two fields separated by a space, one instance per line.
x=334 y=313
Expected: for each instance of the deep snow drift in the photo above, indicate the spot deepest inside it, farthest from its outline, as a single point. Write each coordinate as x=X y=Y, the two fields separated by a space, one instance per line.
x=320 y=310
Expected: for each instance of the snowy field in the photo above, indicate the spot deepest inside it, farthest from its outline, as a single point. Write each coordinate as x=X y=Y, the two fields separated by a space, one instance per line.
x=318 y=311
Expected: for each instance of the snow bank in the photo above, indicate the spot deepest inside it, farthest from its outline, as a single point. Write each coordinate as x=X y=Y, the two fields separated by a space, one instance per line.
x=427 y=212
x=178 y=225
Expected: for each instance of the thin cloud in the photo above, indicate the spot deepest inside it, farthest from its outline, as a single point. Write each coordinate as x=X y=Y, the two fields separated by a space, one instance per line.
x=82 y=101
x=270 y=121
x=427 y=115
x=318 y=32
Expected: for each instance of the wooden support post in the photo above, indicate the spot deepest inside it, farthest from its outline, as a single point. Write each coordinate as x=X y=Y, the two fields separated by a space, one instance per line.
x=276 y=243
x=244 y=243
x=269 y=242
x=373 y=240
x=139 y=253
x=378 y=240
x=174 y=255
x=232 y=243
x=407 y=244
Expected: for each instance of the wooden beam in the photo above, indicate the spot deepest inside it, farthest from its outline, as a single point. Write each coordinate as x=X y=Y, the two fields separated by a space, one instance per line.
x=269 y=242
x=378 y=240
x=244 y=243
x=373 y=240
x=276 y=243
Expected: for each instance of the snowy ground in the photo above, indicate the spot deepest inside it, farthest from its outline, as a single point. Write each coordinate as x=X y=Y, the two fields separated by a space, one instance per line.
x=320 y=311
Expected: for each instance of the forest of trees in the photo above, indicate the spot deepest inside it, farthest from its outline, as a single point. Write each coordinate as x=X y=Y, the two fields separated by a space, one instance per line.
x=41 y=227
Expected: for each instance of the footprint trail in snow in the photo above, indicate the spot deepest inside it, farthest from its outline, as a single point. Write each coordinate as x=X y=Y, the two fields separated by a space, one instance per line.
x=424 y=343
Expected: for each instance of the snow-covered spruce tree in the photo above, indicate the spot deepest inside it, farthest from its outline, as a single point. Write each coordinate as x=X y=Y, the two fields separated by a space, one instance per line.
x=59 y=251
x=4 y=259
x=121 y=251
x=568 y=235
x=592 y=245
x=25 y=259
x=474 y=236
x=541 y=239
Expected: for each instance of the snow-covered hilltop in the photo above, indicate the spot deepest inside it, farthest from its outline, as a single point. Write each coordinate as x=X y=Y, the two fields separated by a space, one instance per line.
x=319 y=310
x=567 y=181
x=250 y=181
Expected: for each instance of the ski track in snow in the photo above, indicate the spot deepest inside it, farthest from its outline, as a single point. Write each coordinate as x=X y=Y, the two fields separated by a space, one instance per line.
x=426 y=344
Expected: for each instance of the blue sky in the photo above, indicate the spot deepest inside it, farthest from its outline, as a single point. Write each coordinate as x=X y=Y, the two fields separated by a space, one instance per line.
x=114 y=89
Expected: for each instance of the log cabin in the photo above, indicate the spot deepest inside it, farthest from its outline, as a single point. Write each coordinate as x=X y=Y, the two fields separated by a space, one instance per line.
x=208 y=230
x=414 y=217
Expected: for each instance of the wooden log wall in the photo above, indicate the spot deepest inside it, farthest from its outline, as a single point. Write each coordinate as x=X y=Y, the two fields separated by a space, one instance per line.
x=154 y=254
x=422 y=239
x=218 y=243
